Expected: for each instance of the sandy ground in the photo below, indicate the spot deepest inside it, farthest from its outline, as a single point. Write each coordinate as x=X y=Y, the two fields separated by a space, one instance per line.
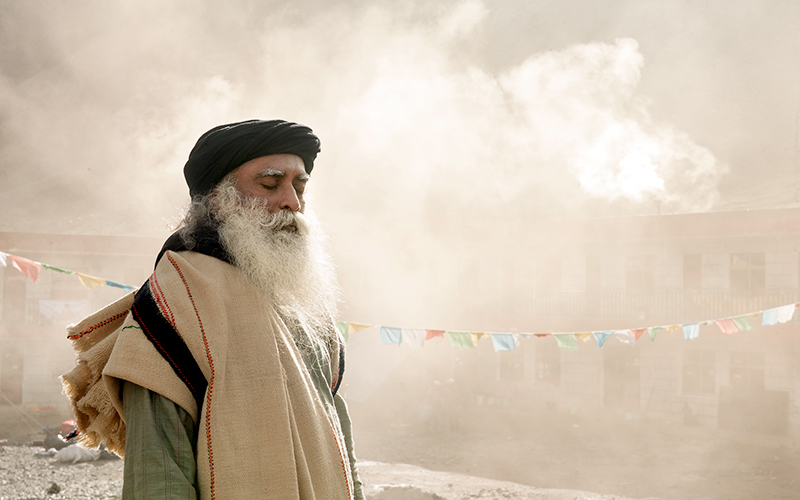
x=497 y=456
x=25 y=473
x=609 y=455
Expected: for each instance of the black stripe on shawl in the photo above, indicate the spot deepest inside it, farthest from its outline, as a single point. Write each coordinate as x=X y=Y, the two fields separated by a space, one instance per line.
x=341 y=369
x=168 y=343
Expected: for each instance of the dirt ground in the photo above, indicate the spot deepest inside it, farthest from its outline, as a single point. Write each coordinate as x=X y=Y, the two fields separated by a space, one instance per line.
x=493 y=454
x=605 y=454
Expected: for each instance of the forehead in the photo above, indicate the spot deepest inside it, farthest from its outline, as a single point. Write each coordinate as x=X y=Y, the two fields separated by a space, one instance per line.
x=281 y=165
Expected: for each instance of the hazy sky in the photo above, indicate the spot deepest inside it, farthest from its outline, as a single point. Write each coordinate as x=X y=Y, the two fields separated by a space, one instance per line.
x=431 y=114
x=467 y=107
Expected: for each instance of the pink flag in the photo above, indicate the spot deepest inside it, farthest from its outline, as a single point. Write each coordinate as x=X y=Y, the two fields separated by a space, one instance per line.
x=727 y=325
x=27 y=267
x=637 y=332
x=432 y=334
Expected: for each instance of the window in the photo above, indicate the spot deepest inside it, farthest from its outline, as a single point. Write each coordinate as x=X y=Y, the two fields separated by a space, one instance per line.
x=699 y=372
x=640 y=274
x=747 y=273
x=548 y=362
x=747 y=370
x=692 y=272
x=548 y=275
x=512 y=365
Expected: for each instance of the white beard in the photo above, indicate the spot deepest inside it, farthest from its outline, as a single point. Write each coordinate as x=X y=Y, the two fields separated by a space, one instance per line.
x=291 y=268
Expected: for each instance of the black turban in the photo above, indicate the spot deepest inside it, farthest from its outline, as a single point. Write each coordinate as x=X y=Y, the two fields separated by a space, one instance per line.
x=222 y=149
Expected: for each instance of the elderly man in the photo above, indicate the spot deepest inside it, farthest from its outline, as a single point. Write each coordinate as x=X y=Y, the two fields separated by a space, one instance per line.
x=218 y=378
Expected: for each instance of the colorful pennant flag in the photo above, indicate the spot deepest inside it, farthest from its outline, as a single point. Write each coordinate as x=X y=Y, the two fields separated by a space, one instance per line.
x=691 y=331
x=414 y=337
x=357 y=327
x=786 y=313
x=390 y=335
x=27 y=267
x=461 y=340
x=477 y=336
x=432 y=334
x=57 y=269
x=652 y=331
x=344 y=329
x=743 y=322
x=727 y=326
x=625 y=336
x=601 y=338
x=566 y=341
x=118 y=285
x=90 y=282
x=503 y=342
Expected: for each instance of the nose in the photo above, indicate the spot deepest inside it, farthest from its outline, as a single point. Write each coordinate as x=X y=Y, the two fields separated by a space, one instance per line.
x=289 y=199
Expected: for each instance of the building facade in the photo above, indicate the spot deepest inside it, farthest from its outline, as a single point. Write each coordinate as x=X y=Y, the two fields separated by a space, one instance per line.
x=628 y=273
x=34 y=349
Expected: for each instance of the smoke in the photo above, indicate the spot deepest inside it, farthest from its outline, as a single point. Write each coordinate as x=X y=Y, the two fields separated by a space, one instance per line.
x=103 y=102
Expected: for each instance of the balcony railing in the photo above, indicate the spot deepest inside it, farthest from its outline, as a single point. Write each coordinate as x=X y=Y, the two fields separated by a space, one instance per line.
x=666 y=306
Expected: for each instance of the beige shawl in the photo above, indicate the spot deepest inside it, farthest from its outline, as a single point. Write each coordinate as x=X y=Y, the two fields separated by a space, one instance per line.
x=263 y=429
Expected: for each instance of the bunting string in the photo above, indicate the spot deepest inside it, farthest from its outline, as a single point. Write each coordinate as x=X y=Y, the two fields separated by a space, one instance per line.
x=32 y=269
x=568 y=341
x=501 y=341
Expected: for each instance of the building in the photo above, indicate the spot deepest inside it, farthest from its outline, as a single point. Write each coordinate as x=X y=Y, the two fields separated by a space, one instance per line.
x=34 y=349
x=618 y=274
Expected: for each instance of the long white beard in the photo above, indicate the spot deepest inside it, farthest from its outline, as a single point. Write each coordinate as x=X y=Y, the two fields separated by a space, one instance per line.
x=291 y=268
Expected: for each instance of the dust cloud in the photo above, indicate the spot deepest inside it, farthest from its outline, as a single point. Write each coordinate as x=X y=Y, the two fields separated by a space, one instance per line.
x=459 y=137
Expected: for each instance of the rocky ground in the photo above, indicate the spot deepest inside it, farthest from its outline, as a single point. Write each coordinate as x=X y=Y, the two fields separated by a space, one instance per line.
x=509 y=457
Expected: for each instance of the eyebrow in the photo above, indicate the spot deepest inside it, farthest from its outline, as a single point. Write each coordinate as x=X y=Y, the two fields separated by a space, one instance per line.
x=274 y=172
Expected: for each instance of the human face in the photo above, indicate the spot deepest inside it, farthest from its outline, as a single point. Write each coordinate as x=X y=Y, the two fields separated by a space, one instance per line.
x=280 y=180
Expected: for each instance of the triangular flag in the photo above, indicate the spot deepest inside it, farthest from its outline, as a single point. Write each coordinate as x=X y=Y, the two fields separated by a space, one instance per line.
x=785 y=313
x=637 y=332
x=27 y=267
x=542 y=335
x=624 y=336
x=743 y=322
x=601 y=337
x=3 y=257
x=462 y=340
x=391 y=335
x=357 y=327
x=431 y=334
x=771 y=317
x=344 y=329
x=691 y=331
x=118 y=285
x=57 y=269
x=652 y=331
x=727 y=326
x=477 y=336
x=585 y=336
x=503 y=342
x=90 y=282
x=414 y=337
x=566 y=341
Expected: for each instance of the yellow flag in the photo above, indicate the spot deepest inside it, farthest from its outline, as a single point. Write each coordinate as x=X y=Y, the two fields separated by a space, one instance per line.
x=354 y=327
x=477 y=336
x=90 y=282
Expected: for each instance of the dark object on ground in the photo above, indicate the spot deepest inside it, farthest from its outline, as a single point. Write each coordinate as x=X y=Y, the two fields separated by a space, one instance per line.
x=53 y=439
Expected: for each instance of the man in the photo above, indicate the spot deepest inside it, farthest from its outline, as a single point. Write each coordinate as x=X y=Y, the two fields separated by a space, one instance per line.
x=218 y=378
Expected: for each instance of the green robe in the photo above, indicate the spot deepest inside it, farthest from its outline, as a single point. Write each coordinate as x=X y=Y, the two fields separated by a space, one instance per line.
x=160 y=454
